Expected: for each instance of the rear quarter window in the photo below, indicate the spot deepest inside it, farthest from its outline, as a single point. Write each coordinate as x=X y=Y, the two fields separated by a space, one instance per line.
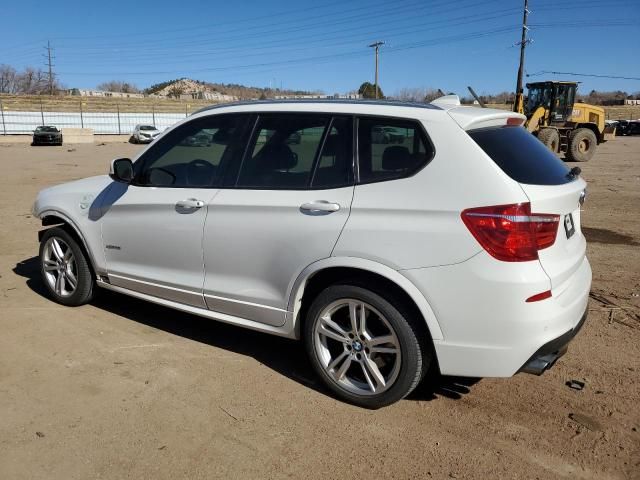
x=521 y=155
x=391 y=148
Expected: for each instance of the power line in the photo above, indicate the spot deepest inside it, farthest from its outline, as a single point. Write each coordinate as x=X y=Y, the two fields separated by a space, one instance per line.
x=350 y=22
x=622 y=22
x=324 y=58
x=259 y=51
x=617 y=77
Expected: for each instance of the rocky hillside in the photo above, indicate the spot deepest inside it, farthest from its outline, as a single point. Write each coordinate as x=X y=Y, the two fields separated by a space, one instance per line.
x=186 y=86
x=183 y=86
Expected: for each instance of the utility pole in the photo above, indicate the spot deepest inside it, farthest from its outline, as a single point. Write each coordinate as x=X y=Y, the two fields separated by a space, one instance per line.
x=518 y=105
x=50 y=65
x=376 y=45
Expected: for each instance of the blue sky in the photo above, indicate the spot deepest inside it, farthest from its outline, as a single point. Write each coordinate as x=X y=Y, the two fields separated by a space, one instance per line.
x=322 y=45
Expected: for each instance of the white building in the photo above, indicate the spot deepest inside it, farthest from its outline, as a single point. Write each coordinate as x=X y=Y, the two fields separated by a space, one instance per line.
x=100 y=93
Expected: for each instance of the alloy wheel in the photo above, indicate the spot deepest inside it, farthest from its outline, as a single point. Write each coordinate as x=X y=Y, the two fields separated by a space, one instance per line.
x=60 y=268
x=357 y=347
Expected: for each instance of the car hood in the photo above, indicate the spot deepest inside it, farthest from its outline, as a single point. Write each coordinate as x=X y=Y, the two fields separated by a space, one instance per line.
x=46 y=133
x=150 y=132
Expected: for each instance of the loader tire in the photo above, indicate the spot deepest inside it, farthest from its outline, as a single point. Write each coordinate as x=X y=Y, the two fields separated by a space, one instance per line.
x=582 y=145
x=551 y=138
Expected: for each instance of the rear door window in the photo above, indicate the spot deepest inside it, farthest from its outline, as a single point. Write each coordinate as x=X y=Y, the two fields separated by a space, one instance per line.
x=521 y=155
x=282 y=152
x=391 y=148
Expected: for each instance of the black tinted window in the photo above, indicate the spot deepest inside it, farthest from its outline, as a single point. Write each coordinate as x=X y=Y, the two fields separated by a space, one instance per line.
x=335 y=163
x=521 y=156
x=282 y=152
x=194 y=154
x=390 y=148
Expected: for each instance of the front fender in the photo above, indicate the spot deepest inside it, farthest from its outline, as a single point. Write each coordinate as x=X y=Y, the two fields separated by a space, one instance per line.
x=95 y=263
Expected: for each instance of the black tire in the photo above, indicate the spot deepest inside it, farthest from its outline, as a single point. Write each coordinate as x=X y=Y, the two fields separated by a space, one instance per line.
x=550 y=138
x=415 y=355
x=582 y=145
x=85 y=283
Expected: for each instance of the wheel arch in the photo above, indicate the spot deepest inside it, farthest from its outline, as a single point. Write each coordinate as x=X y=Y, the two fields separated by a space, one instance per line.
x=51 y=218
x=593 y=127
x=328 y=271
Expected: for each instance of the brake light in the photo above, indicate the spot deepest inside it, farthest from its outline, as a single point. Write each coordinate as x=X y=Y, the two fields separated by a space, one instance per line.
x=511 y=233
x=514 y=121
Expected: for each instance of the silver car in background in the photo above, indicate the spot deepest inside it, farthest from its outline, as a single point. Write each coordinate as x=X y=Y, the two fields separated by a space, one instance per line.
x=144 y=134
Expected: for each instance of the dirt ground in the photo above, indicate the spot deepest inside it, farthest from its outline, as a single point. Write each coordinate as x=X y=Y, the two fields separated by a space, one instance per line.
x=125 y=389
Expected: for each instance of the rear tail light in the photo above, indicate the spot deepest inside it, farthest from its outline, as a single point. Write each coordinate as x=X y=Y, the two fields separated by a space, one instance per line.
x=511 y=233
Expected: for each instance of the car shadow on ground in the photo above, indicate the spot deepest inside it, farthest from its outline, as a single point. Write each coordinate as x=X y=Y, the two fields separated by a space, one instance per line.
x=284 y=356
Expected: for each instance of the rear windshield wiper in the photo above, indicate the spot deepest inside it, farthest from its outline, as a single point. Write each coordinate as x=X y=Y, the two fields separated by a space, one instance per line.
x=574 y=172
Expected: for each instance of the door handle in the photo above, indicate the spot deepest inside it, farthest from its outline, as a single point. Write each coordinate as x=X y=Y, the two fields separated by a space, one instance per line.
x=320 y=206
x=190 y=203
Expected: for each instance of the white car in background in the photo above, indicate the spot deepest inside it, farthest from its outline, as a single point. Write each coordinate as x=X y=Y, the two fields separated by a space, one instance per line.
x=459 y=250
x=144 y=133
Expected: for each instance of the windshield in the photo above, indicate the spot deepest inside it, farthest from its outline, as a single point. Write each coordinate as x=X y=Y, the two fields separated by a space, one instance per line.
x=46 y=129
x=147 y=127
x=538 y=96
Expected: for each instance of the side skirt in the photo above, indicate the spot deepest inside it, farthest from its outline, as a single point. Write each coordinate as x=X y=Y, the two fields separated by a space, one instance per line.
x=285 y=330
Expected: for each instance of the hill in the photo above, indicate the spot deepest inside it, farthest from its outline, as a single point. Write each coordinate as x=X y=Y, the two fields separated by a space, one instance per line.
x=189 y=87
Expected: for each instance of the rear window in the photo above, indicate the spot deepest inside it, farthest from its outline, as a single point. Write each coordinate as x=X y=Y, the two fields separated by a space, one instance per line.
x=521 y=155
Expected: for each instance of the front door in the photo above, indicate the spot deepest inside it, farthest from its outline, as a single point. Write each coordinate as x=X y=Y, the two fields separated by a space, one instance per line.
x=152 y=232
x=281 y=209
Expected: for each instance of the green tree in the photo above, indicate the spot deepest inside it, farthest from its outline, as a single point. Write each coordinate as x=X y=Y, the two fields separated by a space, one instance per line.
x=368 y=90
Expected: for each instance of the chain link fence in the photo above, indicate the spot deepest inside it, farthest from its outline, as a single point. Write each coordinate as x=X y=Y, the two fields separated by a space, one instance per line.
x=109 y=119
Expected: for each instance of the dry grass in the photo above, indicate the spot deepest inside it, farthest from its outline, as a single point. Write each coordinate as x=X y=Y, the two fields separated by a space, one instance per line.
x=33 y=103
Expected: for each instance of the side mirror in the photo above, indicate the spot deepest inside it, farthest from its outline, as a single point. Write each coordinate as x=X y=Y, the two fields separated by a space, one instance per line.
x=121 y=170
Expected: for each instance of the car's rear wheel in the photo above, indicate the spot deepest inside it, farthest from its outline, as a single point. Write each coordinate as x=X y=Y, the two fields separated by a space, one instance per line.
x=65 y=268
x=365 y=348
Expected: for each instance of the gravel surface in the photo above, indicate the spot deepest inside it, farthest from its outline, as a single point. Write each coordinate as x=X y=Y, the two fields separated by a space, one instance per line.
x=125 y=389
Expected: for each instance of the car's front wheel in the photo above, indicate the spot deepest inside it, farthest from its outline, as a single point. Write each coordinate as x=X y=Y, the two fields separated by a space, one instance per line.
x=65 y=268
x=365 y=348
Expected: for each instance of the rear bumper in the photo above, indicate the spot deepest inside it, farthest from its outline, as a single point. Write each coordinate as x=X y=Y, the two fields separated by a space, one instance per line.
x=547 y=355
x=488 y=328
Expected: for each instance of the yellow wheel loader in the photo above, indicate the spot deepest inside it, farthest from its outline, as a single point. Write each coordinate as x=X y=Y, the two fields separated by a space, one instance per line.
x=574 y=129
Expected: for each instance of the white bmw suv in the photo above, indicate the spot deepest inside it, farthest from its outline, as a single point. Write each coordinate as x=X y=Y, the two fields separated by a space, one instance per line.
x=455 y=248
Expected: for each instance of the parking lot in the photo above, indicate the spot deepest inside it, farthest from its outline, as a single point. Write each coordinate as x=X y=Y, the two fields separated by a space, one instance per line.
x=126 y=389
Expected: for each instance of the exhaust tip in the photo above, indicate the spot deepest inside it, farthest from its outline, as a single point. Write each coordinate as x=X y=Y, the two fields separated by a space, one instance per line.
x=538 y=365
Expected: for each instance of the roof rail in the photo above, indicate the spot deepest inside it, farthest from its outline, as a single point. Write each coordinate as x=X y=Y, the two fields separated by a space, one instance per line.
x=393 y=103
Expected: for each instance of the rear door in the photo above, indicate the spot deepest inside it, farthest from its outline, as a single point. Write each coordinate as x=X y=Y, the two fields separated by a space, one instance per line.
x=551 y=187
x=282 y=208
